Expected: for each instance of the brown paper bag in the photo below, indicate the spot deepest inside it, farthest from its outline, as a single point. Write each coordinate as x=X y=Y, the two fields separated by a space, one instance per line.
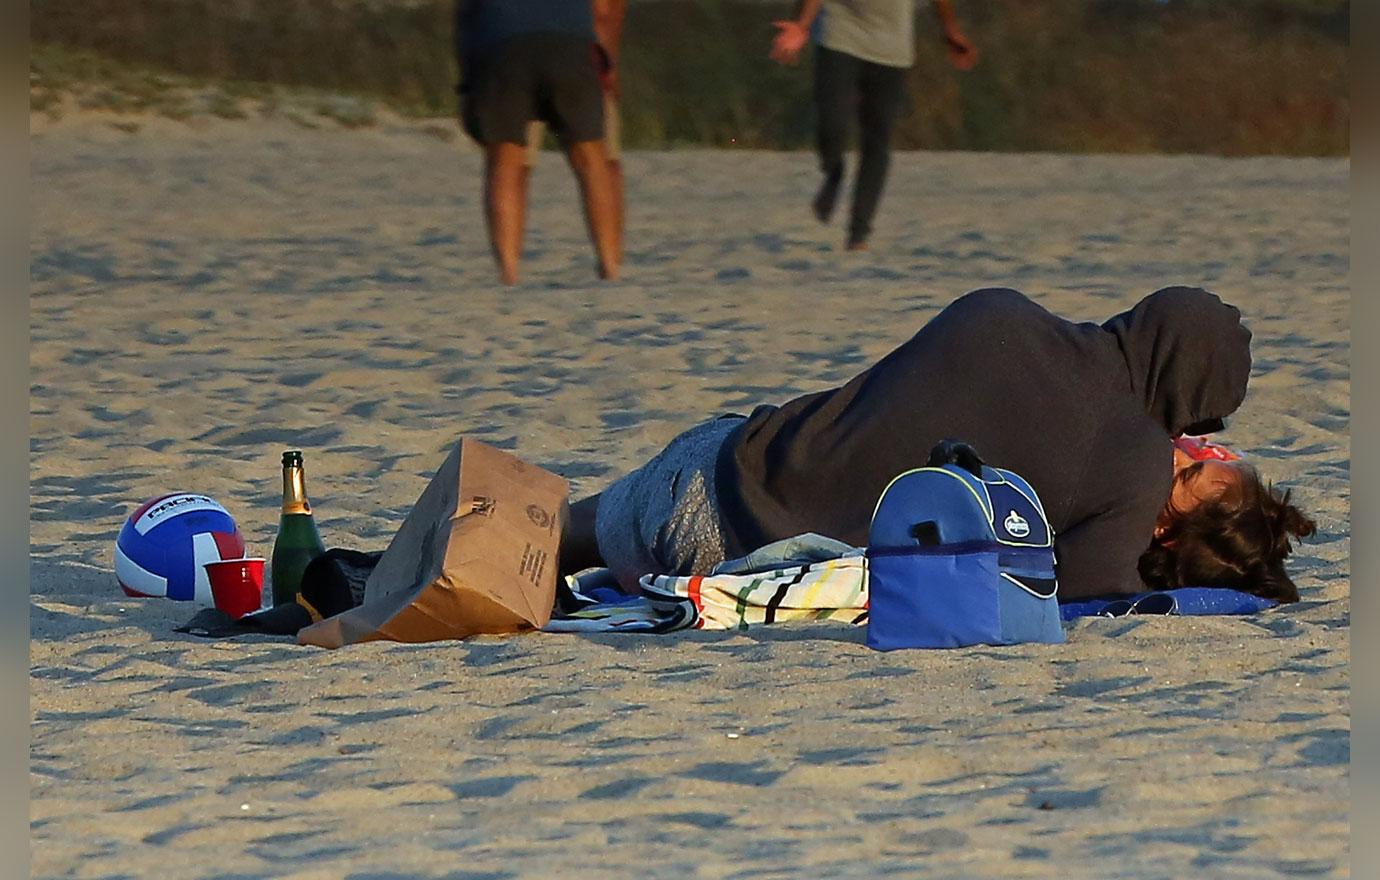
x=477 y=554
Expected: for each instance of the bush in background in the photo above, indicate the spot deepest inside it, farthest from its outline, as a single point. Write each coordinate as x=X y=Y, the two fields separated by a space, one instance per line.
x=1219 y=76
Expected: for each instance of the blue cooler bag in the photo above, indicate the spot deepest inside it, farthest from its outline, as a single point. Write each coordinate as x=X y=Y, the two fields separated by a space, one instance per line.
x=955 y=560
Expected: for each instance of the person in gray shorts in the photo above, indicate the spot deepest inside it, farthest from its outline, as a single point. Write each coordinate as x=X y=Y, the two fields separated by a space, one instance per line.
x=1087 y=413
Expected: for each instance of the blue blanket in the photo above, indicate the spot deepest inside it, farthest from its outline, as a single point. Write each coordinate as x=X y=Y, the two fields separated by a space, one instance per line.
x=1183 y=600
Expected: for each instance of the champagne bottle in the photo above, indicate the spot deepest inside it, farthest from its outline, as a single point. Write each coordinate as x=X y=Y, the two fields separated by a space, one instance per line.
x=298 y=542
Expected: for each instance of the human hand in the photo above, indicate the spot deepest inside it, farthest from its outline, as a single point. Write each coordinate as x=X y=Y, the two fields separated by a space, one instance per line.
x=608 y=81
x=790 y=39
x=606 y=67
x=962 y=54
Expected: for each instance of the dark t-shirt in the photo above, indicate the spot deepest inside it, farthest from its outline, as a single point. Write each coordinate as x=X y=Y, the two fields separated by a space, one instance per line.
x=1085 y=412
x=482 y=24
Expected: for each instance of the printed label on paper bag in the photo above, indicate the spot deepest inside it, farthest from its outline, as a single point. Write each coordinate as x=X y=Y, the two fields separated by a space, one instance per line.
x=533 y=564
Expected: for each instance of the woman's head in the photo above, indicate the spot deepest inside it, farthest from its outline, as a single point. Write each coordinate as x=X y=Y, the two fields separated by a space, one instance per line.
x=1224 y=527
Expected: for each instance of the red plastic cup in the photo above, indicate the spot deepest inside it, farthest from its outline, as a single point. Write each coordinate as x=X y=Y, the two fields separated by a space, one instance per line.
x=237 y=585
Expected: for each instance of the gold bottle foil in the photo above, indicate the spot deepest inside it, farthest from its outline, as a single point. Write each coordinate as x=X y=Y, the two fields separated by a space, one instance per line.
x=295 y=490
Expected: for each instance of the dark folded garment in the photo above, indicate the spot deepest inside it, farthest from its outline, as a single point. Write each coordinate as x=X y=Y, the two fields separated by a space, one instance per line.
x=332 y=582
x=283 y=620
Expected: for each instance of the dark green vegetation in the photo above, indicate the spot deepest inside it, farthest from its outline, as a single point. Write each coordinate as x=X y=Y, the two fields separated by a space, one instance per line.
x=1219 y=76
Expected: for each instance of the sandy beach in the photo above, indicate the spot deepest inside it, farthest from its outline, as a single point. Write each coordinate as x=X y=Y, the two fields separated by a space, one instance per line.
x=206 y=295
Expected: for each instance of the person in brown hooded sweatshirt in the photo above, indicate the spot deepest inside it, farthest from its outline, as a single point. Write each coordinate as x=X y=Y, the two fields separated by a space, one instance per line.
x=1086 y=412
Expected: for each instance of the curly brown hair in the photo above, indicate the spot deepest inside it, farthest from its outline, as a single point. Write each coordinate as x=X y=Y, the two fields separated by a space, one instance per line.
x=1242 y=546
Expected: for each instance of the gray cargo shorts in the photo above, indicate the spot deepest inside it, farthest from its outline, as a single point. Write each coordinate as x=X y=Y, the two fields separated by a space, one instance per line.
x=663 y=518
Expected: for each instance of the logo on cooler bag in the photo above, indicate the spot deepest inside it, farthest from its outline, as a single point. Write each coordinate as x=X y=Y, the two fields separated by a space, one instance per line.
x=1015 y=526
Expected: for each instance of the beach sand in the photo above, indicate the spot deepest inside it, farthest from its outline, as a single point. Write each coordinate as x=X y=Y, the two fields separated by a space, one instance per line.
x=205 y=296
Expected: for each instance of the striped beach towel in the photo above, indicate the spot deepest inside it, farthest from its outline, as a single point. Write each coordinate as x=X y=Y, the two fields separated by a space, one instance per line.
x=828 y=589
x=831 y=589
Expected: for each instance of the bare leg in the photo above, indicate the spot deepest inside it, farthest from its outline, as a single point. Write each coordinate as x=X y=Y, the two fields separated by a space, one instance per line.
x=505 y=202
x=616 y=178
x=579 y=547
x=590 y=163
x=522 y=205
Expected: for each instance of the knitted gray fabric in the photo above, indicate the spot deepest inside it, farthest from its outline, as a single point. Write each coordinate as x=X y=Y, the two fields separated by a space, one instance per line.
x=663 y=517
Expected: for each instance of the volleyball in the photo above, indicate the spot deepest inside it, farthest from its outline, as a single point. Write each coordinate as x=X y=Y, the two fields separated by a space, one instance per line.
x=165 y=542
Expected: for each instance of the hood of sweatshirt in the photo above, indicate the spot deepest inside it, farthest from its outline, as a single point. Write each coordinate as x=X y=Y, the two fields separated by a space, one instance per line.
x=1188 y=357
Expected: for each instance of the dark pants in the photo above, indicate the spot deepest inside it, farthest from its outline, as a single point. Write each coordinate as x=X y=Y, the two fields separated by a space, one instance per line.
x=847 y=86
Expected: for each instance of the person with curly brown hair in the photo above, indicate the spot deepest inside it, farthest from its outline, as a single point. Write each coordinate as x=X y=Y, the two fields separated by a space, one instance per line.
x=1087 y=413
x=1224 y=526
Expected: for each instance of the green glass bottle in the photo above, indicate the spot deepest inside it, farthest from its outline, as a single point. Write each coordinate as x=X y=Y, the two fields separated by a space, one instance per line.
x=298 y=542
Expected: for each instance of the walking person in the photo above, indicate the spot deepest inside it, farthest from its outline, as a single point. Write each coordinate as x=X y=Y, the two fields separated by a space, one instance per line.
x=863 y=50
x=608 y=32
x=535 y=59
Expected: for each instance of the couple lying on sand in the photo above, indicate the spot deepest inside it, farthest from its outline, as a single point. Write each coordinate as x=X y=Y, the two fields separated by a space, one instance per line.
x=1087 y=413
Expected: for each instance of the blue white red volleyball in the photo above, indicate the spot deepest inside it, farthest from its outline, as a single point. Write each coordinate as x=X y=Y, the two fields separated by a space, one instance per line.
x=166 y=541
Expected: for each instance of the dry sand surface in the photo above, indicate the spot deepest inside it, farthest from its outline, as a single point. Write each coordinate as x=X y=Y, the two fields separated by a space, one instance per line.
x=204 y=297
